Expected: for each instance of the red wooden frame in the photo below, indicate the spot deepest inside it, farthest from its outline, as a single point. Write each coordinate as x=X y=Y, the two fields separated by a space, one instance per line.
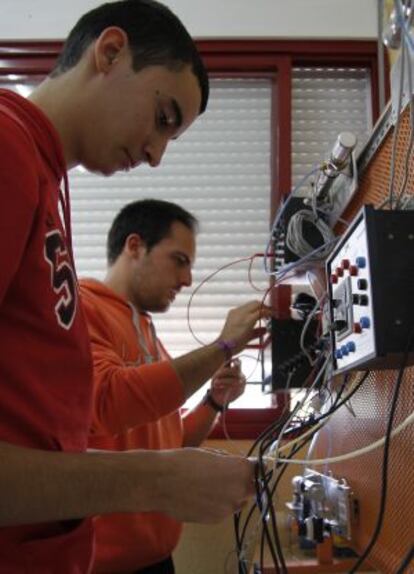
x=272 y=59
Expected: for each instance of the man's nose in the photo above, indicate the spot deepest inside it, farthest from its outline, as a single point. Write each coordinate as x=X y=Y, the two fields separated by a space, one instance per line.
x=187 y=278
x=154 y=151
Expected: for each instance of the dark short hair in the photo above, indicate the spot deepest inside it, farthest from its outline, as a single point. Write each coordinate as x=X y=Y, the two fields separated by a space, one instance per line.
x=156 y=38
x=151 y=219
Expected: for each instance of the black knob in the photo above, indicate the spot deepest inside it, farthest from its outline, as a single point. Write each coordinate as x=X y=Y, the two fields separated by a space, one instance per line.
x=339 y=325
x=362 y=284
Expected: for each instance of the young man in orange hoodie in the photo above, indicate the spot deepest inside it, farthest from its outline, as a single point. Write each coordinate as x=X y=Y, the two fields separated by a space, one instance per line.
x=138 y=387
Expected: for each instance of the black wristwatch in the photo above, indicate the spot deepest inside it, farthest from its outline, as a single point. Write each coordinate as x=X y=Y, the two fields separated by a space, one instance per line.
x=208 y=400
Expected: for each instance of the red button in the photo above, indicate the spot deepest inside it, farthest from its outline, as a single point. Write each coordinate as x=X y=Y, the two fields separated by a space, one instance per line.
x=345 y=263
x=357 y=328
x=339 y=271
x=334 y=279
x=353 y=270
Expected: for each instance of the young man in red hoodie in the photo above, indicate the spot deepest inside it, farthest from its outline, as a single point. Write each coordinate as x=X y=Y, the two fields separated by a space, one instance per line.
x=128 y=80
x=138 y=387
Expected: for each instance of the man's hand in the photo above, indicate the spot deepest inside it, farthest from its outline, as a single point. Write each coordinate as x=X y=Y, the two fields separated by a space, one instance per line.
x=240 y=325
x=197 y=485
x=228 y=384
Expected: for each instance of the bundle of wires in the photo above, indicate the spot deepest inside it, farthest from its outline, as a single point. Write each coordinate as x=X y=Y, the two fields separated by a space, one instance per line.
x=267 y=480
x=266 y=448
x=296 y=235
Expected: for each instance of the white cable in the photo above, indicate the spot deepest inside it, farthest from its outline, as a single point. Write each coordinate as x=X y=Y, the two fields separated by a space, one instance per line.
x=350 y=455
x=295 y=239
x=274 y=448
x=292 y=443
x=305 y=328
x=281 y=211
x=281 y=274
x=325 y=409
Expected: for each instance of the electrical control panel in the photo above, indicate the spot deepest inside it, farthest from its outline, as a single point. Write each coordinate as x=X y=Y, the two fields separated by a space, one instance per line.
x=371 y=291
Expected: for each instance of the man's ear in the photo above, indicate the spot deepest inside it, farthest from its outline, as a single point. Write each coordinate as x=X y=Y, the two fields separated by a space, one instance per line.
x=134 y=246
x=109 y=47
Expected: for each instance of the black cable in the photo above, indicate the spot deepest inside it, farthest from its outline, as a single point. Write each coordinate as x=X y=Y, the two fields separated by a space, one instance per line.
x=282 y=470
x=339 y=404
x=384 y=488
x=266 y=533
x=237 y=517
x=270 y=511
x=406 y=561
x=263 y=442
x=265 y=481
x=284 y=465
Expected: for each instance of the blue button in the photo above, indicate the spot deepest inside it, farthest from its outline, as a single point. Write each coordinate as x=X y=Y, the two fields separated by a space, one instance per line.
x=365 y=322
x=338 y=354
x=361 y=262
x=344 y=350
x=351 y=346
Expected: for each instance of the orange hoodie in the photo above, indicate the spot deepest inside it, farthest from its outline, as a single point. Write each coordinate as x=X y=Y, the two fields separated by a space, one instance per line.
x=137 y=394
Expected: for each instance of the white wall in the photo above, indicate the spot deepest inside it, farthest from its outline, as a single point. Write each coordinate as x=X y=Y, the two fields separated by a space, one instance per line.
x=52 y=19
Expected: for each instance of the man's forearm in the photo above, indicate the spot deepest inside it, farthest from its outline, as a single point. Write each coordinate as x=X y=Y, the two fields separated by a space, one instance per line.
x=197 y=367
x=198 y=423
x=42 y=486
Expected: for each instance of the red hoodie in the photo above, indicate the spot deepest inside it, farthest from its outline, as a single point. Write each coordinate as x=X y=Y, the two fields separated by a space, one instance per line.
x=137 y=394
x=45 y=364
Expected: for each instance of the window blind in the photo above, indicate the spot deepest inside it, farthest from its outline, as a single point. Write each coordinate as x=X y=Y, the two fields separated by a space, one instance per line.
x=220 y=171
x=326 y=101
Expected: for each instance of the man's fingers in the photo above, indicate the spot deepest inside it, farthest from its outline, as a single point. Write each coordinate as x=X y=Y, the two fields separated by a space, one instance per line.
x=231 y=389
x=258 y=332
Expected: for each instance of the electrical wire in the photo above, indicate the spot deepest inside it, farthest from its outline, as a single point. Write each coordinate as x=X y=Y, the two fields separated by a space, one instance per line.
x=411 y=142
x=388 y=436
x=308 y=321
x=280 y=212
x=208 y=278
x=295 y=238
x=286 y=269
x=390 y=200
x=406 y=561
x=240 y=530
x=315 y=437
x=277 y=480
x=275 y=447
x=265 y=440
x=337 y=405
x=360 y=452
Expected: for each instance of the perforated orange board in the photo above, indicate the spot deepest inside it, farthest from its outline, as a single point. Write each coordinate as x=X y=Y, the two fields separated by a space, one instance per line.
x=347 y=431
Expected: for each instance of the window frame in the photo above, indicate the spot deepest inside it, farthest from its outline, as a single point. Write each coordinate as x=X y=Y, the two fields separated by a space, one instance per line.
x=272 y=59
